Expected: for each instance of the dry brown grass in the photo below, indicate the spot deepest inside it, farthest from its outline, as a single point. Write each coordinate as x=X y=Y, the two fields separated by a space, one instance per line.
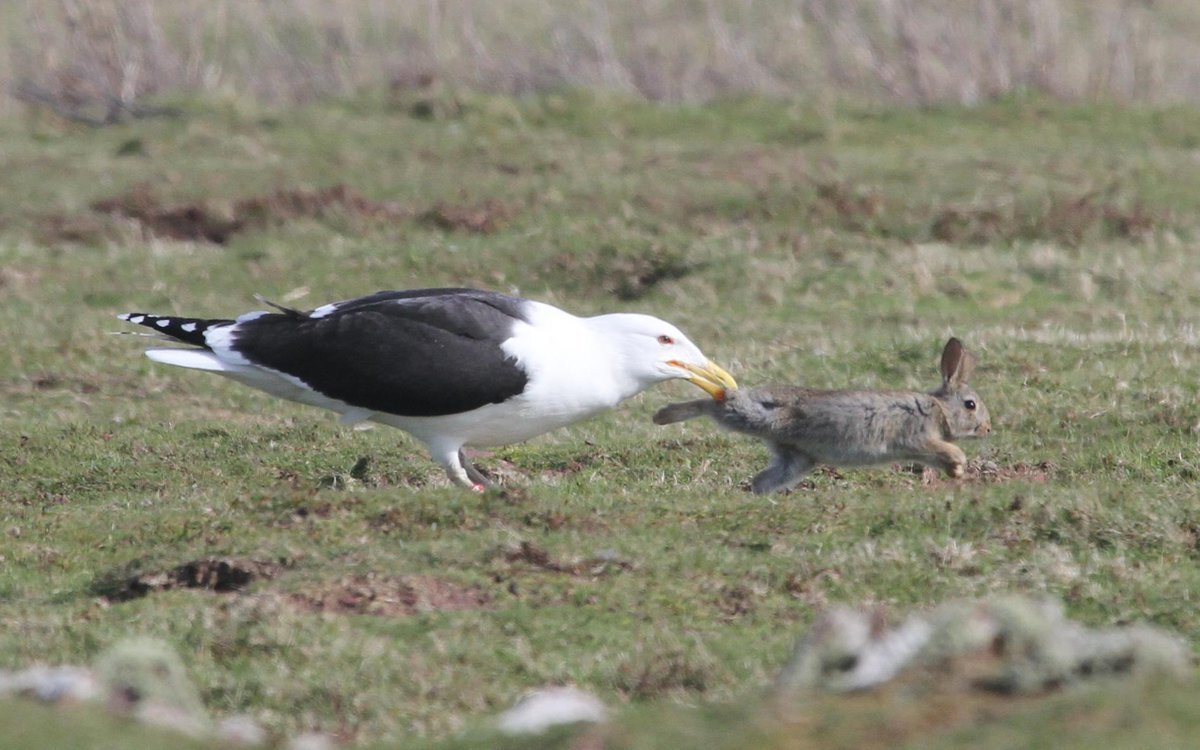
x=99 y=60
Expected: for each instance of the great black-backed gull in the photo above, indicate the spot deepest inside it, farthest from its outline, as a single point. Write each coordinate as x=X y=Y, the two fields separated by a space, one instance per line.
x=452 y=367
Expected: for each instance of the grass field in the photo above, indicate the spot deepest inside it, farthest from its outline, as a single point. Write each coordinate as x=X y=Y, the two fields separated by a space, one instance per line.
x=831 y=247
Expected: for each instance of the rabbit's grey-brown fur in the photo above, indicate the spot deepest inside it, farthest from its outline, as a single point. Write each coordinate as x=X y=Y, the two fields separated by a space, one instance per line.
x=804 y=427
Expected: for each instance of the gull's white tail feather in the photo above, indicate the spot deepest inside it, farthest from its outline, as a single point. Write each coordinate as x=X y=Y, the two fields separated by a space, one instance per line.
x=275 y=383
x=194 y=359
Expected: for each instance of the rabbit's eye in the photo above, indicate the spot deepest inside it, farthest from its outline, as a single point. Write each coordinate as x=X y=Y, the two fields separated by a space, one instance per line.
x=970 y=404
x=665 y=340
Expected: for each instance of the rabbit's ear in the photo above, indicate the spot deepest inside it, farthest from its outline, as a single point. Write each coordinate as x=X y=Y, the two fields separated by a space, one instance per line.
x=966 y=366
x=957 y=364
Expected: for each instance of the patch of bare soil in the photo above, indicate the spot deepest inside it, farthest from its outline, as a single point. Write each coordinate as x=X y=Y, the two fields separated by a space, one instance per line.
x=223 y=575
x=202 y=222
x=988 y=471
x=991 y=472
x=391 y=596
x=185 y=221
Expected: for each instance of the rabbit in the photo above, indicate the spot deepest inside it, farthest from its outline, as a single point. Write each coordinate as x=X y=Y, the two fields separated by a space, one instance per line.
x=804 y=426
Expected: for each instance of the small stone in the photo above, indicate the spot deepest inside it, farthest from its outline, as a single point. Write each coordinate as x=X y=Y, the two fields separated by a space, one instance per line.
x=51 y=684
x=541 y=709
x=241 y=729
x=311 y=741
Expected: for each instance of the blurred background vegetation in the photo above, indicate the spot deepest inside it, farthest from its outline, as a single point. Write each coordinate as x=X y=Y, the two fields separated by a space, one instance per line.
x=100 y=59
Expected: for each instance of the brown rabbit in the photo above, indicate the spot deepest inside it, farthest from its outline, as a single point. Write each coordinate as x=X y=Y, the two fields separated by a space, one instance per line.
x=804 y=427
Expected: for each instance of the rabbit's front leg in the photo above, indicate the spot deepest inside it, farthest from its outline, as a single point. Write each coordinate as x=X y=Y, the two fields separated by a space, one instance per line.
x=786 y=468
x=946 y=456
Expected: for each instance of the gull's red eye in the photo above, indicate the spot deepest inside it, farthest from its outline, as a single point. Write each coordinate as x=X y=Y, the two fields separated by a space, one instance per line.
x=665 y=340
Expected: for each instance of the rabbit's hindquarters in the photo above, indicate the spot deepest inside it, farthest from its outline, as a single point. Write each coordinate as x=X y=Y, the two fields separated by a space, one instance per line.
x=860 y=428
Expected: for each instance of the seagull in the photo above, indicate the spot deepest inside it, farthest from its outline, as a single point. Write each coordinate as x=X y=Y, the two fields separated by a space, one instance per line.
x=452 y=367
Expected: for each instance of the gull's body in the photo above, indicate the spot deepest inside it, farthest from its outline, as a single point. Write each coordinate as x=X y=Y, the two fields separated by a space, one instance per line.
x=452 y=367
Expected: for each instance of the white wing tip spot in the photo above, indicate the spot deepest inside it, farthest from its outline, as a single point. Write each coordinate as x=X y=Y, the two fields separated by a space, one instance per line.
x=188 y=327
x=162 y=322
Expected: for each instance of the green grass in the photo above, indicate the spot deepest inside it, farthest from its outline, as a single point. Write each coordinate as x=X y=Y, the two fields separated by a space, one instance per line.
x=792 y=245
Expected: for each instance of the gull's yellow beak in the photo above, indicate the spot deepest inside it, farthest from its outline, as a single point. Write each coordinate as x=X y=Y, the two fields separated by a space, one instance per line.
x=710 y=378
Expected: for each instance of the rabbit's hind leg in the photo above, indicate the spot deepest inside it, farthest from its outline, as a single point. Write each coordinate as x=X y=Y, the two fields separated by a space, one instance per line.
x=946 y=456
x=784 y=471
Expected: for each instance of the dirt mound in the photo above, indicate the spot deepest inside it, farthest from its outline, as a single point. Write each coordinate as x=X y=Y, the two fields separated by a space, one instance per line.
x=389 y=596
x=219 y=574
x=202 y=221
x=186 y=221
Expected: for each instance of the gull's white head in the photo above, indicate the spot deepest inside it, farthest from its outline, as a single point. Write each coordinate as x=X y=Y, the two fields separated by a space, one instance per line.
x=652 y=350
